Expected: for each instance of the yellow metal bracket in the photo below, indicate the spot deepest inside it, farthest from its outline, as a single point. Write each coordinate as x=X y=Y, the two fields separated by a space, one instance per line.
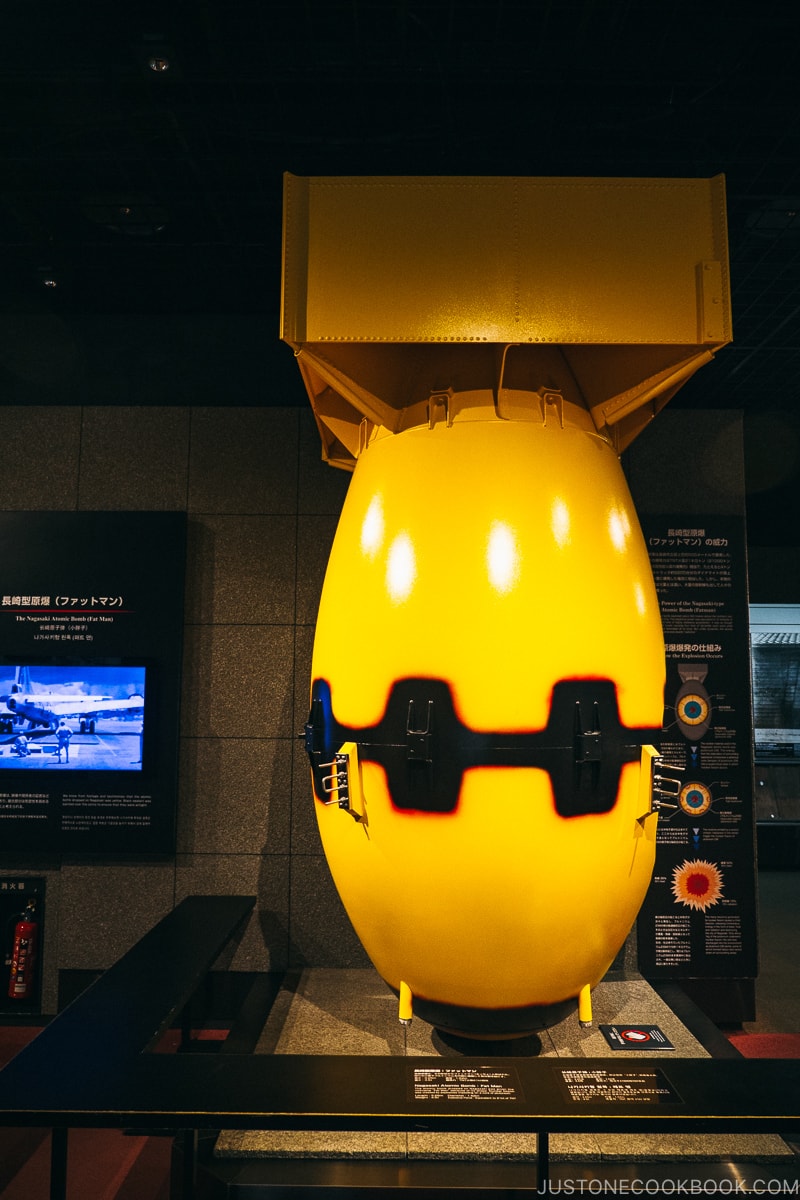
x=659 y=784
x=342 y=784
x=712 y=306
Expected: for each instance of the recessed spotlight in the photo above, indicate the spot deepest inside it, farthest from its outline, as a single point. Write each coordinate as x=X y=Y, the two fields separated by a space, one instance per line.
x=776 y=218
x=156 y=53
x=132 y=216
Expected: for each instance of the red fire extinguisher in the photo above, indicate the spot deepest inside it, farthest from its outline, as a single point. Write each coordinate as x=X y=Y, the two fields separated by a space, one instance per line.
x=23 y=954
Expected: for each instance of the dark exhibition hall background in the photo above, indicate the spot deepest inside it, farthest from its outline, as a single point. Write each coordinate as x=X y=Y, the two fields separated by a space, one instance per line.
x=143 y=147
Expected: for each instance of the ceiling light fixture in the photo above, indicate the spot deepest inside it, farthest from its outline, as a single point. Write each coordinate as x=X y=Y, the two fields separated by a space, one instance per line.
x=133 y=216
x=157 y=52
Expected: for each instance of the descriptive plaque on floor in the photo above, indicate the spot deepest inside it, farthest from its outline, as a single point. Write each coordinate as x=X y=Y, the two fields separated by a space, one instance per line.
x=600 y=1086
x=636 y=1037
x=464 y=1084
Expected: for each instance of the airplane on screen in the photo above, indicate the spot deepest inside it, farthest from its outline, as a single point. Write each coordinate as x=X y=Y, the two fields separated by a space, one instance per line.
x=44 y=710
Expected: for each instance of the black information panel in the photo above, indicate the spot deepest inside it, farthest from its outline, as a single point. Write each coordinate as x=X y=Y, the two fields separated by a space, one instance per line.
x=699 y=917
x=464 y=1084
x=91 y=631
x=593 y=1086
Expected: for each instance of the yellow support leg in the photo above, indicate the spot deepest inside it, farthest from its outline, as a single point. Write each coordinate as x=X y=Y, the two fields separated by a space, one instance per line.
x=405 y=1011
x=585 y=1006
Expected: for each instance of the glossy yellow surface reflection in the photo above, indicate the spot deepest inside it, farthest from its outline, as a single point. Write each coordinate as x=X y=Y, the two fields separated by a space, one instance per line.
x=501 y=557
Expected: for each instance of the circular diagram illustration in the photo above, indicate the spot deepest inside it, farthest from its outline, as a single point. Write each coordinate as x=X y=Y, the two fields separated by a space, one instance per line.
x=695 y=799
x=692 y=701
x=692 y=709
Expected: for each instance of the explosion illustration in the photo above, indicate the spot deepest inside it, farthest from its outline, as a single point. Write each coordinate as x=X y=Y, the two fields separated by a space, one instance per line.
x=697 y=884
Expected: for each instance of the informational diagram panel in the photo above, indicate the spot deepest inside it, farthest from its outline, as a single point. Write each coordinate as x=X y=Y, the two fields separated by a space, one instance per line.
x=91 y=631
x=699 y=916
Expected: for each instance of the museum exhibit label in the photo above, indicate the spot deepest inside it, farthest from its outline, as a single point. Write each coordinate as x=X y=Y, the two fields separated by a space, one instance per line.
x=698 y=920
x=488 y=667
x=91 y=634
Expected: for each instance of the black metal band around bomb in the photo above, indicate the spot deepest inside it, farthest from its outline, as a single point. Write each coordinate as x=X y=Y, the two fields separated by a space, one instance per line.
x=425 y=749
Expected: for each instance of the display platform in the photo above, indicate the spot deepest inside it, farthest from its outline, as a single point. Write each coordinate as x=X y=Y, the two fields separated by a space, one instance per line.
x=352 y=1012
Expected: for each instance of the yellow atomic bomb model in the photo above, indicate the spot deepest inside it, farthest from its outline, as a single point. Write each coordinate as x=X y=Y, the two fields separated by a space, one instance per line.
x=488 y=669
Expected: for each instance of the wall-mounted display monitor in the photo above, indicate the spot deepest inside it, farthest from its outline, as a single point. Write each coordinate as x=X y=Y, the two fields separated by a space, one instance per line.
x=91 y=638
x=87 y=717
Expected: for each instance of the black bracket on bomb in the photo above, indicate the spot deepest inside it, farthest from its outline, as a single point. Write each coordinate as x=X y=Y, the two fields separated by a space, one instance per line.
x=418 y=741
x=425 y=766
x=588 y=746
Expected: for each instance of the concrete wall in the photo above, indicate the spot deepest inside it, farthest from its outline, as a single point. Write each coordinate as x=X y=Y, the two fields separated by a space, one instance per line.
x=262 y=510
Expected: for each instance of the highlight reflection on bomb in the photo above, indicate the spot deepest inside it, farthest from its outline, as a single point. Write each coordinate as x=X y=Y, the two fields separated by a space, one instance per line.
x=504 y=842
x=488 y=665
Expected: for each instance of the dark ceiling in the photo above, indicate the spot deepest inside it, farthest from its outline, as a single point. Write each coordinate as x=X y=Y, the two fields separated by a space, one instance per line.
x=157 y=193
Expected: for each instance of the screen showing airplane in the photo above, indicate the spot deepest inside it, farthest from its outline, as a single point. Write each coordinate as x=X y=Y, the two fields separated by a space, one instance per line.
x=86 y=718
